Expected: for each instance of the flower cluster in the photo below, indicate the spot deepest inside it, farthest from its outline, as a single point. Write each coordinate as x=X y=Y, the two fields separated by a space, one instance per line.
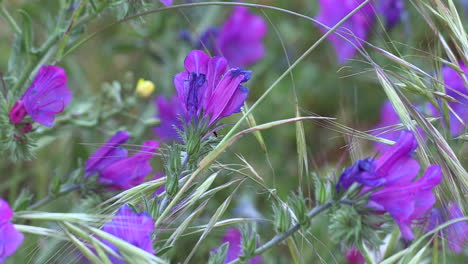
x=392 y=181
x=117 y=170
x=10 y=238
x=47 y=96
x=132 y=227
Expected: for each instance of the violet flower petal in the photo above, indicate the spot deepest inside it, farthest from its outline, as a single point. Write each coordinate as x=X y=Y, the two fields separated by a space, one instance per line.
x=48 y=95
x=108 y=153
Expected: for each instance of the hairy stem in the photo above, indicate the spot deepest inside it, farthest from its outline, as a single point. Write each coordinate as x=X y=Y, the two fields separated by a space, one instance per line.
x=281 y=237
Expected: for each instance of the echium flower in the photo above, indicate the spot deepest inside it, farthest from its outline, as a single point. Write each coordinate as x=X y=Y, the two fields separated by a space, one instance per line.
x=456 y=235
x=388 y=118
x=208 y=89
x=391 y=10
x=166 y=2
x=171 y=114
x=355 y=29
x=10 y=238
x=110 y=161
x=240 y=38
x=399 y=193
x=134 y=228
x=47 y=96
x=234 y=237
x=457 y=89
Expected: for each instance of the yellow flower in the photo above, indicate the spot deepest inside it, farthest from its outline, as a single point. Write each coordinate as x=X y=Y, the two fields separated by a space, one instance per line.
x=144 y=88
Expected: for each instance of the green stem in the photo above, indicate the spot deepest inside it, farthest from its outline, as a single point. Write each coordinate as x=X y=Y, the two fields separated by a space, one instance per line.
x=281 y=237
x=4 y=12
x=52 y=197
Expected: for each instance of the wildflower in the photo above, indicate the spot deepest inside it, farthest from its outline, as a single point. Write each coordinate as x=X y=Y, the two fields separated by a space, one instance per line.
x=10 y=238
x=171 y=114
x=208 y=88
x=457 y=90
x=134 y=228
x=234 y=237
x=47 y=96
x=388 y=117
x=240 y=38
x=456 y=234
x=391 y=10
x=403 y=197
x=166 y=2
x=129 y=172
x=144 y=88
x=108 y=153
x=355 y=29
x=353 y=256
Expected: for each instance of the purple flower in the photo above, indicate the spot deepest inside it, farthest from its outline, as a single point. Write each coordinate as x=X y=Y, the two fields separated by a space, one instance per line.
x=456 y=88
x=129 y=172
x=10 y=238
x=47 y=96
x=403 y=197
x=359 y=25
x=207 y=87
x=388 y=118
x=108 y=153
x=166 y=2
x=456 y=234
x=134 y=228
x=234 y=237
x=240 y=38
x=391 y=10
x=169 y=112
x=353 y=256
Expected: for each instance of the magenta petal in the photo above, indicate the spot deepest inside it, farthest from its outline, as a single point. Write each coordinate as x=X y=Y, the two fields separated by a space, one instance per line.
x=5 y=212
x=236 y=102
x=129 y=172
x=234 y=237
x=359 y=25
x=107 y=154
x=48 y=95
x=241 y=38
x=197 y=61
x=402 y=148
x=457 y=233
x=455 y=86
x=166 y=2
x=216 y=68
x=131 y=227
x=223 y=94
x=11 y=239
x=169 y=112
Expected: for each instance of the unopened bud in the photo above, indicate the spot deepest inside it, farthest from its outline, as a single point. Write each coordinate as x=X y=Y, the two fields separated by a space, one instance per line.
x=144 y=88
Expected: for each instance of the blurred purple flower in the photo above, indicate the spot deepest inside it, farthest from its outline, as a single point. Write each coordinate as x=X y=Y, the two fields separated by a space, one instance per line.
x=353 y=256
x=169 y=113
x=207 y=87
x=234 y=237
x=10 y=238
x=456 y=235
x=108 y=153
x=166 y=2
x=134 y=228
x=388 y=117
x=403 y=197
x=391 y=10
x=47 y=96
x=240 y=38
x=208 y=40
x=360 y=24
x=129 y=172
x=459 y=92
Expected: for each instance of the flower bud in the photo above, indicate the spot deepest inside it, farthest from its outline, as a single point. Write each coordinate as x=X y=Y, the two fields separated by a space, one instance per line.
x=144 y=88
x=282 y=218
